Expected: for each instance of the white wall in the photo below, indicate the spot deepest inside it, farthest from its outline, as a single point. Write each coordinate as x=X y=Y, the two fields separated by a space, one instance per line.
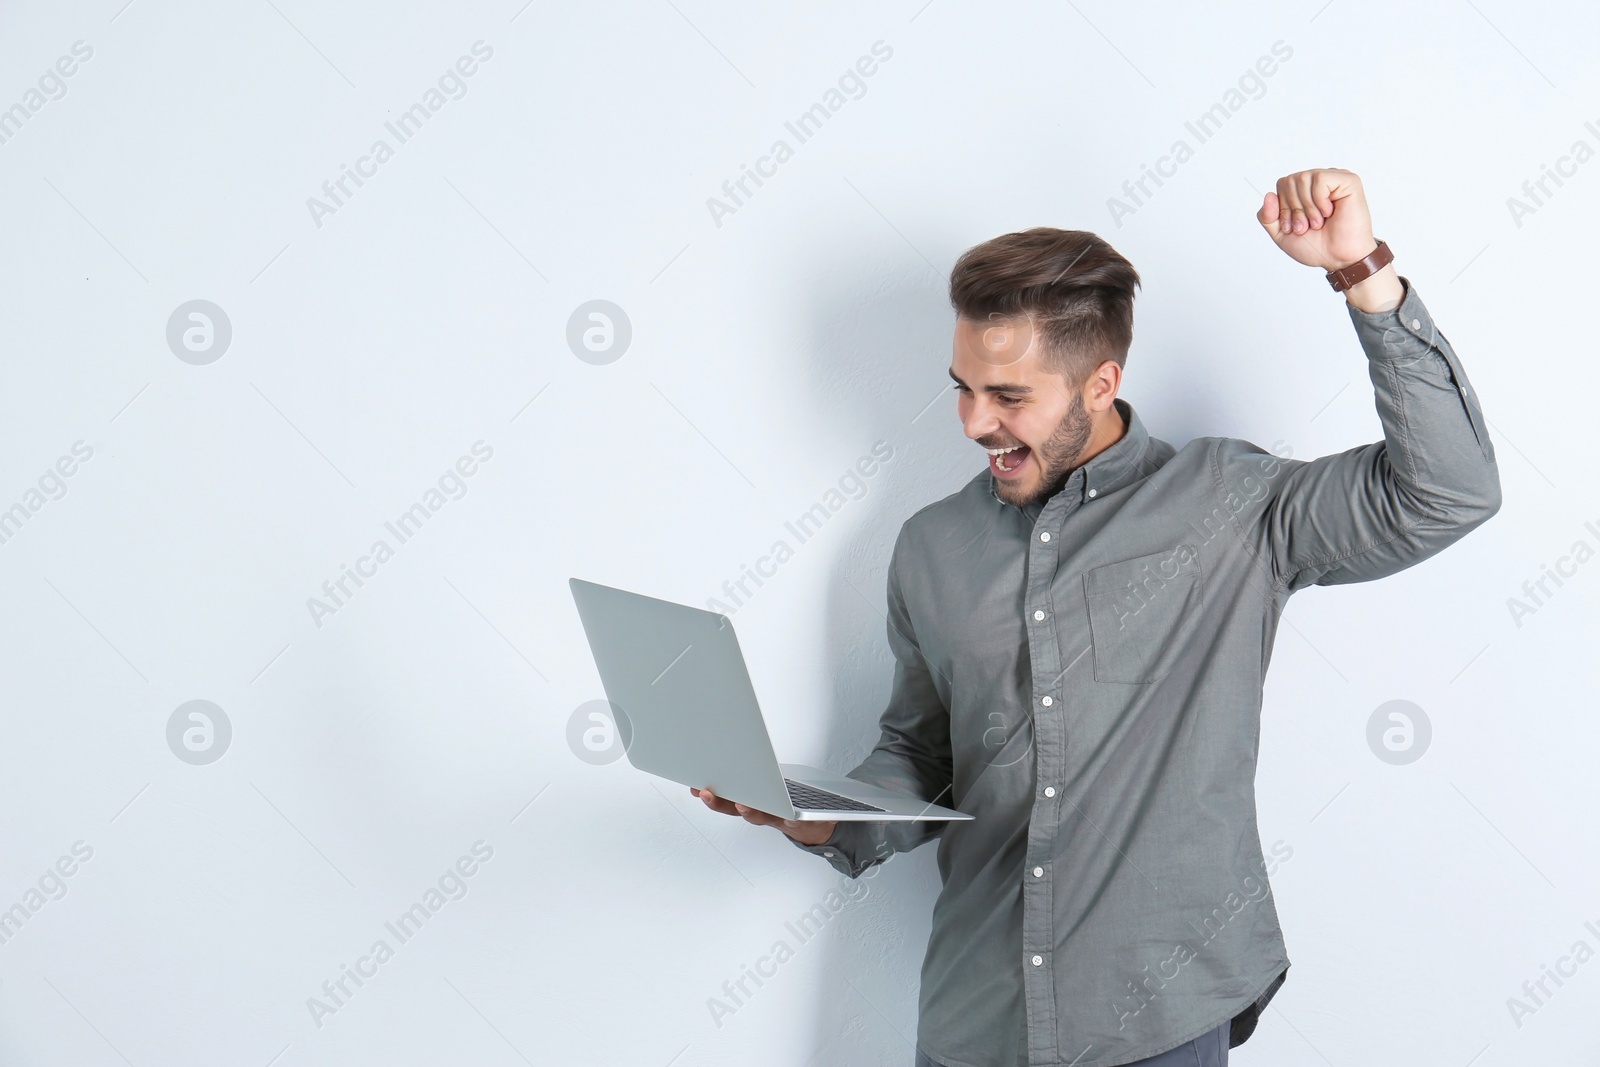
x=429 y=312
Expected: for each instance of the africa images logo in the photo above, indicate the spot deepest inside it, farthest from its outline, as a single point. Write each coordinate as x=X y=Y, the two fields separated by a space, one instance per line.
x=199 y=732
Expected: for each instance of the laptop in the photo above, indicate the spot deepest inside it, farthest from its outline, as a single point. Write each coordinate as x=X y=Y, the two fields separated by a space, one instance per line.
x=678 y=677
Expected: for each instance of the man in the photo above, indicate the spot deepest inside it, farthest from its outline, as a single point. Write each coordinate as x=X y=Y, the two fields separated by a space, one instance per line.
x=1080 y=637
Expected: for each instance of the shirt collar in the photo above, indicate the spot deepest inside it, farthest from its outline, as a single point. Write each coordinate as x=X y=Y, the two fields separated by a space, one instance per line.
x=1109 y=469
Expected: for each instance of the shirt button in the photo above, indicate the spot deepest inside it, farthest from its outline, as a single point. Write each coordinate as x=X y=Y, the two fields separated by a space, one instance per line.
x=1038 y=872
x=1038 y=961
x=1092 y=492
x=1416 y=324
x=1045 y=536
x=1049 y=790
x=828 y=854
x=1047 y=702
x=1038 y=616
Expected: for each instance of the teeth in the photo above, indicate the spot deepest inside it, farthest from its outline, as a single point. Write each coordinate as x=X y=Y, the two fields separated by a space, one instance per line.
x=1001 y=451
x=1000 y=462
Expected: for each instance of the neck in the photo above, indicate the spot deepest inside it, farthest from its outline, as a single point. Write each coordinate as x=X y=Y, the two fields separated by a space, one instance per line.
x=1109 y=427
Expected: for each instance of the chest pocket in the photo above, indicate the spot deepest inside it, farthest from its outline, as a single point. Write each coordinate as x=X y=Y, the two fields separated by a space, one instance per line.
x=1140 y=611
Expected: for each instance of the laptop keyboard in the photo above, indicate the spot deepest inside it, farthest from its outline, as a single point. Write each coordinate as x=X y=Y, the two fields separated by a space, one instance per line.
x=810 y=798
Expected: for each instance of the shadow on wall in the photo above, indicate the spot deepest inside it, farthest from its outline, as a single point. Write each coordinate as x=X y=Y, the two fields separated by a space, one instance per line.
x=876 y=363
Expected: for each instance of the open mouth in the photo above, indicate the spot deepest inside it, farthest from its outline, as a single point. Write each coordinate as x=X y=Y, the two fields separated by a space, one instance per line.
x=1008 y=462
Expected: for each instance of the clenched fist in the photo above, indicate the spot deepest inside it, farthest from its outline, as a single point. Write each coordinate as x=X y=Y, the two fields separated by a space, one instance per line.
x=1319 y=218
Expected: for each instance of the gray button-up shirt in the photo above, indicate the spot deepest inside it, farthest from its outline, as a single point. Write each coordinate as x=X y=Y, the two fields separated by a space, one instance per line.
x=1084 y=676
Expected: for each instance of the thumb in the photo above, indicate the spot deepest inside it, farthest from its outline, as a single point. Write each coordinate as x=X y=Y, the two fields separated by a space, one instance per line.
x=1268 y=216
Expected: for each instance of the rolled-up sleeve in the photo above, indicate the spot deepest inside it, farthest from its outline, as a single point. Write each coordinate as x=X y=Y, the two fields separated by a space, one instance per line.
x=1379 y=508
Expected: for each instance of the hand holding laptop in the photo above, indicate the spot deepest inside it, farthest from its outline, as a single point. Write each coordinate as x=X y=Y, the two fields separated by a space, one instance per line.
x=687 y=712
x=807 y=832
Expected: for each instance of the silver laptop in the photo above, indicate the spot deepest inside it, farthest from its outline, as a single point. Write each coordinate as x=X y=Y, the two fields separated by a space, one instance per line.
x=679 y=678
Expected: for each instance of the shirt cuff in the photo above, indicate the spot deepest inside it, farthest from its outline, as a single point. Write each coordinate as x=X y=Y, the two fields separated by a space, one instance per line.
x=1401 y=334
x=832 y=851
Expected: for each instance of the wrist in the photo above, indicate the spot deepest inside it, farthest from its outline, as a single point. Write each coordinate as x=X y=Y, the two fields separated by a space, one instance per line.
x=1370 y=283
x=1382 y=291
x=1372 y=244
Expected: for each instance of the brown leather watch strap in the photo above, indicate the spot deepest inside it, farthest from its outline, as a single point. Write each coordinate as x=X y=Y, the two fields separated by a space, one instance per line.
x=1360 y=271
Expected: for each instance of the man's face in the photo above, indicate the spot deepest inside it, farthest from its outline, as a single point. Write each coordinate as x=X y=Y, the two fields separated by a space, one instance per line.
x=1008 y=397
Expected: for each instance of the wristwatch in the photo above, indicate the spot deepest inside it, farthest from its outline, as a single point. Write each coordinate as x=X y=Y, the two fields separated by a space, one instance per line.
x=1361 y=270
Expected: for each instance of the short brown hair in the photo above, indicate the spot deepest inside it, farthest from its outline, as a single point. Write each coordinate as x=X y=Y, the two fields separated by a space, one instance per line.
x=1075 y=287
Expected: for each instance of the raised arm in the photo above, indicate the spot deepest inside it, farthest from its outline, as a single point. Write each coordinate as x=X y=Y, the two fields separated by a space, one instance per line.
x=1379 y=508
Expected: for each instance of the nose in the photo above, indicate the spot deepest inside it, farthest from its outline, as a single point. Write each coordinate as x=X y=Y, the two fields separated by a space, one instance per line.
x=980 y=420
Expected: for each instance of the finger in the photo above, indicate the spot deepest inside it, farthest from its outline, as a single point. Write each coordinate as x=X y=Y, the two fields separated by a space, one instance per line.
x=1322 y=186
x=716 y=803
x=1298 y=208
x=758 y=818
x=1303 y=189
x=1288 y=204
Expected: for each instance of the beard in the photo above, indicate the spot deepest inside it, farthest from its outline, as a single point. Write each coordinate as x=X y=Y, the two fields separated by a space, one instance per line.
x=1056 y=458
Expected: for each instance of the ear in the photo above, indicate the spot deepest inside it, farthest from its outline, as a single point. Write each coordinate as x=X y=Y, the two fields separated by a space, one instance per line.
x=1101 y=388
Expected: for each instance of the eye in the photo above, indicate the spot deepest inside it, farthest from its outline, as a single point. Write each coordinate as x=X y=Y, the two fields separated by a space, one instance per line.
x=1010 y=401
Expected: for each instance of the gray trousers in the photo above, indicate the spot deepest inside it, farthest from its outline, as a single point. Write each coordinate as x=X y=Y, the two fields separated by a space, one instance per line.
x=1207 y=1050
